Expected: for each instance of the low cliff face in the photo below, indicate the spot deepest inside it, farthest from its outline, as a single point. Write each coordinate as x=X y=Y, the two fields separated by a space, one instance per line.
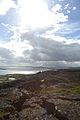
x=49 y=95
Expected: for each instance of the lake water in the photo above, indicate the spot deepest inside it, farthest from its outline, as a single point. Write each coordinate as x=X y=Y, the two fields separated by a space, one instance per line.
x=20 y=70
x=4 y=72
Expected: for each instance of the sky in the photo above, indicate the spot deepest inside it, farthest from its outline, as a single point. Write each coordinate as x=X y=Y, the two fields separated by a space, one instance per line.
x=40 y=33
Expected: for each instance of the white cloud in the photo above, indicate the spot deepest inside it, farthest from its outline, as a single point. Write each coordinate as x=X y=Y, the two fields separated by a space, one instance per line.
x=58 y=33
x=54 y=30
x=61 y=0
x=5 y=6
x=65 y=29
x=66 y=6
x=74 y=8
x=17 y=47
x=38 y=37
x=5 y=56
x=42 y=17
x=56 y=8
x=53 y=37
x=35 y=14
x=60 y=39
x=68 y=11
x=72 y=41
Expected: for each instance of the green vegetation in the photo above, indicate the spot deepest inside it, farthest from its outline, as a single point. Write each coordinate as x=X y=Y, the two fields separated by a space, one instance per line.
x=2 y=114
x=75 y=90
x=72 y=90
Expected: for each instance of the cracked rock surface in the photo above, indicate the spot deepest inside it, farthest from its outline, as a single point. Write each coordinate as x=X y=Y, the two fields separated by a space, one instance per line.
x=43 y=96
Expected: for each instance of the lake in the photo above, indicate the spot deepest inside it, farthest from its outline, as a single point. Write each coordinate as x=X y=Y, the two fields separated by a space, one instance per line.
x=20 y=70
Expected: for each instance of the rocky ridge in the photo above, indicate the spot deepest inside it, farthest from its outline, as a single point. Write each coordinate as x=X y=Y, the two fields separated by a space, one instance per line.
x=42 y=96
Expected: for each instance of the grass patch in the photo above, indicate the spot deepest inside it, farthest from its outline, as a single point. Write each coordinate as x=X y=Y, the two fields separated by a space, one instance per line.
x=72 y=90
x=75 y=90
x=2 y=114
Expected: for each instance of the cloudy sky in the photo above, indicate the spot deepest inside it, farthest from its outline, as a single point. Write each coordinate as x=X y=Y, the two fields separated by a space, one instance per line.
x=40 y=32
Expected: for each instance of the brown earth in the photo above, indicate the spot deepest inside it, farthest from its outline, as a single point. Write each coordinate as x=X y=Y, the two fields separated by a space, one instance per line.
x=49 y=95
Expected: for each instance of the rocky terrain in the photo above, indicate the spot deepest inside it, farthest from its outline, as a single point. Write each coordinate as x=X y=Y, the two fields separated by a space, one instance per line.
x=48 y=95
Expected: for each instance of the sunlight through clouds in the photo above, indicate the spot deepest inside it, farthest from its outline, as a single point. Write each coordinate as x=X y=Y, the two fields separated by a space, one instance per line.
x=42 y=31
x=5 y=6
x=17 y=47
x=35 y=14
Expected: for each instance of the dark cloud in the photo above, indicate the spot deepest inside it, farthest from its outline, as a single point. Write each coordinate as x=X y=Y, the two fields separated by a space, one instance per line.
x=51 y=50
x=5 y=53
x=6 y=56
